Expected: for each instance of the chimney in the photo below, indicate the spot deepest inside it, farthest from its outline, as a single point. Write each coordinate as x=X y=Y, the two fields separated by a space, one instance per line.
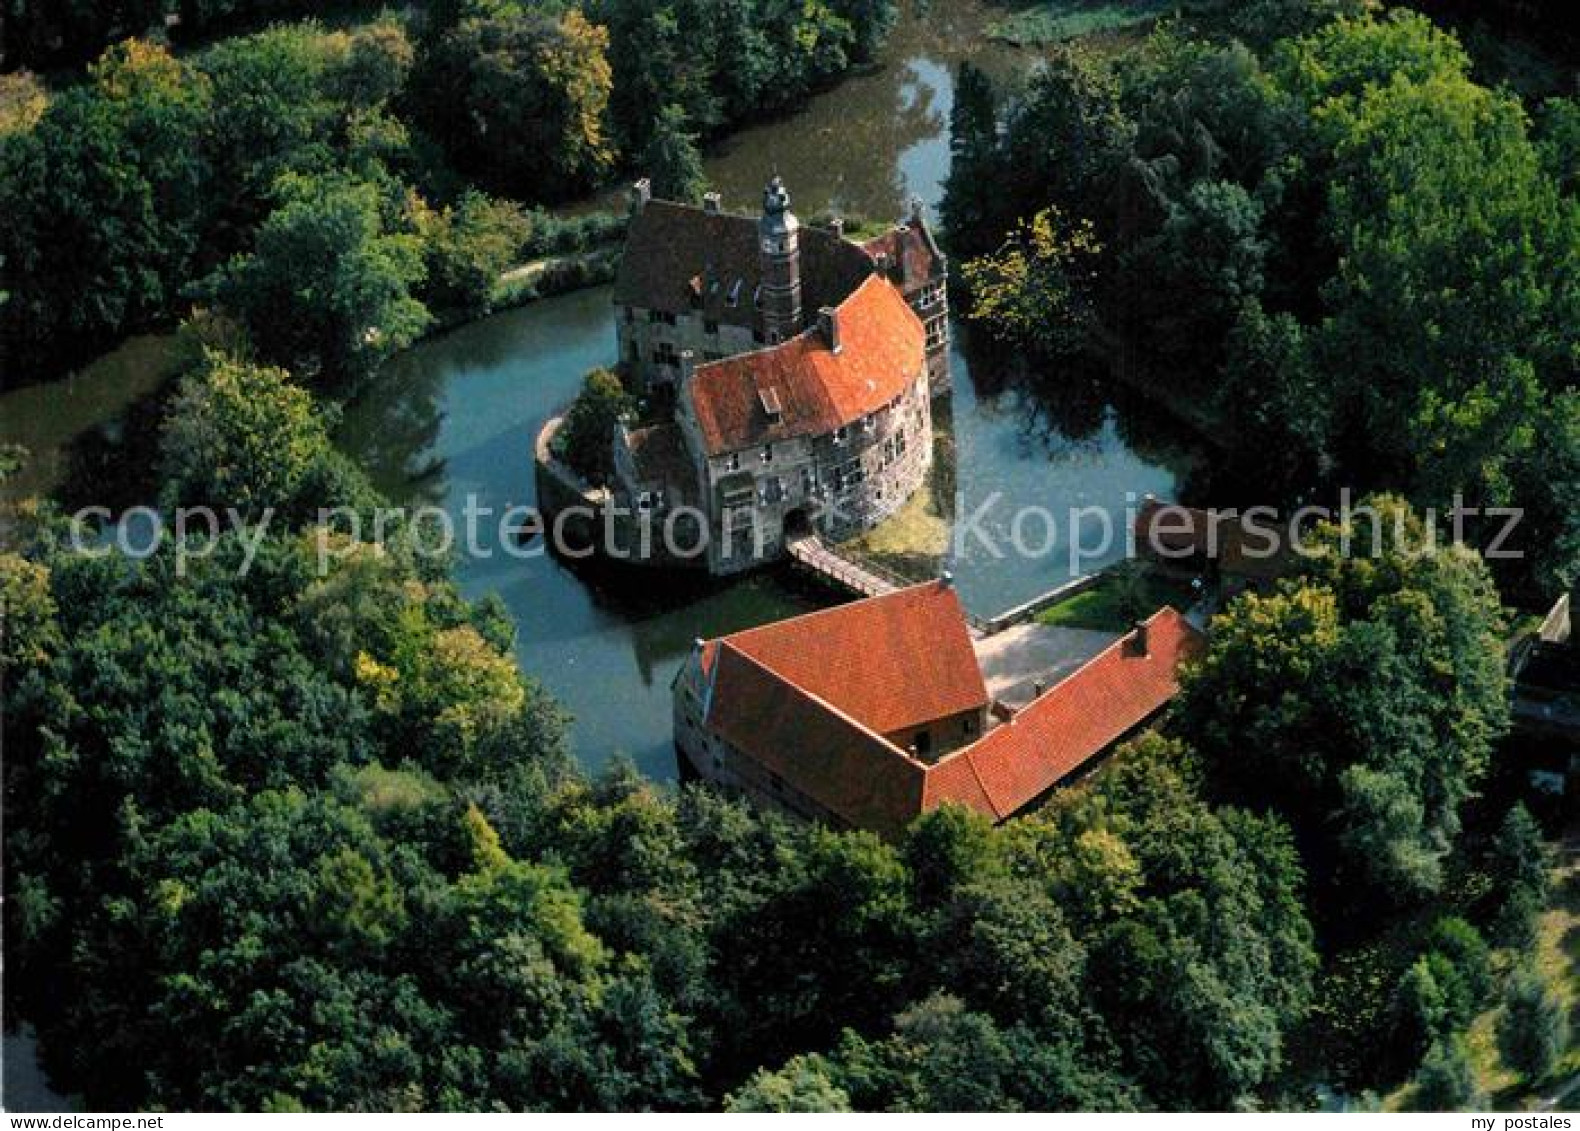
x=918 y=210
x=688 y=363
x=641 y=193
x=883 y=264
x=710 y=203
x=837 y=226
x=946 y=579
x=1140 y=638
x=828 y=323
x=1038 y=689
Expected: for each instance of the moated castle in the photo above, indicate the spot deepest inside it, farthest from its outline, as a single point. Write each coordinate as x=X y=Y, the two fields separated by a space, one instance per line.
x=795 y=368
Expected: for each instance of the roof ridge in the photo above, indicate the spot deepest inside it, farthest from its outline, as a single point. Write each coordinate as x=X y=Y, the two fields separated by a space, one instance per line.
x=971 y=764
x=814 y=697
x=801 y=618
x=1174 y=615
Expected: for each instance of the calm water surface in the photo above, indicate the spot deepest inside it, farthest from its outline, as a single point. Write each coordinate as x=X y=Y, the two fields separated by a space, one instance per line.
x=454 y=418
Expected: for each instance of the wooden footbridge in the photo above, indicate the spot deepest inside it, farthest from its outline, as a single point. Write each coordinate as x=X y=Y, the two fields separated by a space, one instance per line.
x=864 y=579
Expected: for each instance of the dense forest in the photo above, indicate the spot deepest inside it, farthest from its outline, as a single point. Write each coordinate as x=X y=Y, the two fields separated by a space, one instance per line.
x=288 y=837
x=178 y=174
x=1358 y=262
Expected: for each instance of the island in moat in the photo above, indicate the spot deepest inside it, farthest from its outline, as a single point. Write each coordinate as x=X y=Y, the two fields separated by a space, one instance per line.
x=788 y=373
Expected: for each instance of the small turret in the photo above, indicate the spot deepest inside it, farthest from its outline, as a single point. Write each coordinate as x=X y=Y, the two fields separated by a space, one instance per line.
x=779 y=247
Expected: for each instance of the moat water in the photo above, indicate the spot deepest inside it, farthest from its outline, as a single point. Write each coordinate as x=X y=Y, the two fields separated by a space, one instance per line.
x=454 y=418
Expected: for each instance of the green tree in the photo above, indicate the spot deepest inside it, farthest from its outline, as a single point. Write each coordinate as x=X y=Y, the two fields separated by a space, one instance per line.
x=1532 y=1029
x=468 y=247
x=1446 y=1081
x=29 y=634
x=1264 y=22
x=272 y=116
x=1269 y=395
x=1457 y=293
x=1036 y=289
x=586 y=441
x=672 y=160
x=803 y=1084
x=104 y=200
x=1209 y=246
x=1360 y=702
x=327 y=292
x=969 y=209
x=1517 y=864
x=1422 y=1011
x=519 y=94
x=244 y=437
x=1067 y=139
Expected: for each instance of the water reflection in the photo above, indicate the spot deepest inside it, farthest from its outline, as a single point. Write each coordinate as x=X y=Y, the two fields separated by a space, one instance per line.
x=77 y=429
x=451 y=422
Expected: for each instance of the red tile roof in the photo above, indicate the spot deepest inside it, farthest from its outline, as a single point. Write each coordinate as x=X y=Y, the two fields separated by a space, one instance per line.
x=894 y=662
x=808 y=698
x=821 y=752
x=882 y=353
x=1077 y=719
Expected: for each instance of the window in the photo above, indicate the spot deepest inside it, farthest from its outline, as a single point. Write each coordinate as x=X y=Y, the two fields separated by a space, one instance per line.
x=899 y=442
x=768 y=453
x=732 y=462
x=710 y=326
x=869 y=422
x=758 y=337
x=659 y=317
x=924 y=743
x=841 y=434
x=971 y=725
x=630 y=314
x=808 y=481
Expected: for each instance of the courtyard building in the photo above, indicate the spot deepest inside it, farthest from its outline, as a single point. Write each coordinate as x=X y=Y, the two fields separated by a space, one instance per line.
x=870 y=714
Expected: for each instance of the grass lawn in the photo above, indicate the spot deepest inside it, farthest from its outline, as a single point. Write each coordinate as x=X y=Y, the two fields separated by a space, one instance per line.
x=912 y=542
x=1054 y=21
x=1113 y=605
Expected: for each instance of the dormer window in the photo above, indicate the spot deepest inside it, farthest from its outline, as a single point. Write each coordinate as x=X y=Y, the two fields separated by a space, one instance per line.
x=841 y=434
x=772 y=408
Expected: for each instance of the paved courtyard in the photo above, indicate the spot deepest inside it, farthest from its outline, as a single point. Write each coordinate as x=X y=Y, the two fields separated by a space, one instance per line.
x=1016 y=660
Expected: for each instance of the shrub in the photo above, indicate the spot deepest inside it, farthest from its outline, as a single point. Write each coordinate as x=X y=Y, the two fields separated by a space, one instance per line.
x=1532 y=1029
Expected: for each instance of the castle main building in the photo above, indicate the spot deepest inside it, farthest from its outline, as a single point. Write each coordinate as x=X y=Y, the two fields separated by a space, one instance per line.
x=797 y=367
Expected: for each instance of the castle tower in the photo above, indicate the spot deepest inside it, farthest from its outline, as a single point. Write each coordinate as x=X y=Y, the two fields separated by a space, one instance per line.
x=779 y=246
